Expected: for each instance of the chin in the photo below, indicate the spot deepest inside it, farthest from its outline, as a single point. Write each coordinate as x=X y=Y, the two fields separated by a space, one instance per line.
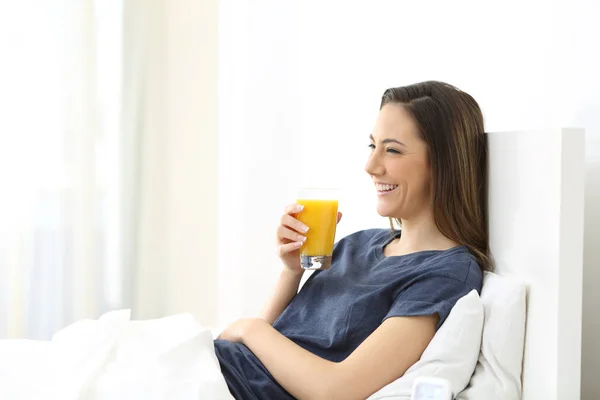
x=385 y=212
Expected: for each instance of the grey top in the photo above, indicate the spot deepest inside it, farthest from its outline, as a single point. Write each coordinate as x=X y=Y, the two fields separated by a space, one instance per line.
x=337 y=309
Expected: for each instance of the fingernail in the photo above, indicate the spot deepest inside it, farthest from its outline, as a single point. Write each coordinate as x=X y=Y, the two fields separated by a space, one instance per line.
x=305 y=228
x=299 y=207
x=301 y=238
x=298 y=244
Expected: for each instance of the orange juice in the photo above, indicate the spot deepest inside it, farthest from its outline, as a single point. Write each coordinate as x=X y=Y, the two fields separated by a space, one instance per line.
x=321 y=218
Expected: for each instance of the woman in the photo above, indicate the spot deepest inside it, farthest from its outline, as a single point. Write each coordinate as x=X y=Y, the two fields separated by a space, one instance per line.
x=361 y=324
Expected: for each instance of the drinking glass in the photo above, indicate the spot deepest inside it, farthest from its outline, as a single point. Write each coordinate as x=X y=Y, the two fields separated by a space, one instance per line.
x=320 y=215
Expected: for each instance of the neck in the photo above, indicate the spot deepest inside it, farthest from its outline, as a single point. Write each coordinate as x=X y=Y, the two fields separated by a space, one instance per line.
x=421 y=233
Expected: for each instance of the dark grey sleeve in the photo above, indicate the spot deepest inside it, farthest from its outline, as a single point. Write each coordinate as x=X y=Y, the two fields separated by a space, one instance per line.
x=428 y=296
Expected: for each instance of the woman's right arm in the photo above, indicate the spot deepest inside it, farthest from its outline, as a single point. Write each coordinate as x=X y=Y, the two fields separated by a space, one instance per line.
x=290 y=237
x=285 y=290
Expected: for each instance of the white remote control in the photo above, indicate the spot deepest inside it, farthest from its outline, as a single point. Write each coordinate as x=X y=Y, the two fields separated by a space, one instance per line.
x=431 y=389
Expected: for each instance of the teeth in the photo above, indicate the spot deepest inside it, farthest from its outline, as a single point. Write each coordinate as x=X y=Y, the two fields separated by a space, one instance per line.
x=385 y=187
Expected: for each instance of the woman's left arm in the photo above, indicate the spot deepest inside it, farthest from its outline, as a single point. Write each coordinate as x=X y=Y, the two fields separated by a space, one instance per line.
x=383 y=357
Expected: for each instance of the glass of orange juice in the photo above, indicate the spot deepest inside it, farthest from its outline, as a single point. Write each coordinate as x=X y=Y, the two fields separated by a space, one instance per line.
x=320 y=215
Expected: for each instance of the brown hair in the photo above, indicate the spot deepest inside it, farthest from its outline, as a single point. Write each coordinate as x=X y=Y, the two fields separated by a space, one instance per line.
x=451 y=124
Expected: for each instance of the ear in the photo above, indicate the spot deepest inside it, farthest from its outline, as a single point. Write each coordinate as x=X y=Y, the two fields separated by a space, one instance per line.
x=339 y=217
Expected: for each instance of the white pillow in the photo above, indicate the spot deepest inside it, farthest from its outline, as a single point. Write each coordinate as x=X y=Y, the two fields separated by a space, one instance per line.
x=498 y=371
x=451 y=354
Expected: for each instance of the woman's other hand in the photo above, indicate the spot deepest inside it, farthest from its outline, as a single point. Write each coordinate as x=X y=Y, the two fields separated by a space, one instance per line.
x=236 y=331
x=290 y=237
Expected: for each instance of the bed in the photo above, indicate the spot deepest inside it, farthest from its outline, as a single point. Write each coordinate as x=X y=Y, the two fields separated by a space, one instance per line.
x=536 y=202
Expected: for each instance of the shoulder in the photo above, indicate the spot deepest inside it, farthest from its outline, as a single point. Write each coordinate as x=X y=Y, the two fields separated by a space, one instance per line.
x=457 y=264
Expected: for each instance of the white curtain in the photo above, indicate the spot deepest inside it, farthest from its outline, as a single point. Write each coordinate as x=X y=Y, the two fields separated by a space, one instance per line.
x=60 y=164
x=108 y=168
x=145 y=177
x=170 y=117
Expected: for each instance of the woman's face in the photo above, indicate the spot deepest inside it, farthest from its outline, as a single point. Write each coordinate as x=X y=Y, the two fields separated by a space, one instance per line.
x=399 y=165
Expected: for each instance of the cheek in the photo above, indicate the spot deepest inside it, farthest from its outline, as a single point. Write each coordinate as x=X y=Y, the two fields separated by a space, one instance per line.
x=409 y=196
x=403 y=193
x=412 y=193
x=420 y=179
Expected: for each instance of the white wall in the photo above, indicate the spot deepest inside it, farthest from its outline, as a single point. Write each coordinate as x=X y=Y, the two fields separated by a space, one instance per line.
x=300 y=84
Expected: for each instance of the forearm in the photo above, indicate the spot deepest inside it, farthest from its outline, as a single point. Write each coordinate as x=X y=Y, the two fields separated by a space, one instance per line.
x=285 y=290
x=303 y=374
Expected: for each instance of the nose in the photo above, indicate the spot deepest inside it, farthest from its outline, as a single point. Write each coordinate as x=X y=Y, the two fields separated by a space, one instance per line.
x=374 y=165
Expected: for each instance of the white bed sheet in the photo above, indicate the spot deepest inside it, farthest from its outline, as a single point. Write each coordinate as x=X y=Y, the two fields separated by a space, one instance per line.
x=115 y=358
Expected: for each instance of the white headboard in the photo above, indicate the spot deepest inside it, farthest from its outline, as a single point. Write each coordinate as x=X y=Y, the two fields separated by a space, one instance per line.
x=536 y=233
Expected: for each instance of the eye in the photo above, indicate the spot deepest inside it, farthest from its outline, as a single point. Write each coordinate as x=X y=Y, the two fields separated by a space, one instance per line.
x=392 y=151
x=372 y=146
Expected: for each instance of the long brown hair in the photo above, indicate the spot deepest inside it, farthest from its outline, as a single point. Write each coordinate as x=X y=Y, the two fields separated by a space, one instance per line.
x=451 y=124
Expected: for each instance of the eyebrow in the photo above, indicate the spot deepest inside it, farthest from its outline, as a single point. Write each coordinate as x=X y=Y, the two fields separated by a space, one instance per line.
x=384 y=141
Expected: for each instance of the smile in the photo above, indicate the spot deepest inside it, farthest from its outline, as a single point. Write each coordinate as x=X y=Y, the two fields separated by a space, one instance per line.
x=384 y=188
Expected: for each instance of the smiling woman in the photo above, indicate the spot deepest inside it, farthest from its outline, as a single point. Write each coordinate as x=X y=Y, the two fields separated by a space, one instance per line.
x=359 y=325
x=433 y=151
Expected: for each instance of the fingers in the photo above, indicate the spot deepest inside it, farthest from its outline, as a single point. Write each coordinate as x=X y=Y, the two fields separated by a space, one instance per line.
x=290 y=222
x=288 y=248
x=290 y=233
x=284 y=232
x=293 y=208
